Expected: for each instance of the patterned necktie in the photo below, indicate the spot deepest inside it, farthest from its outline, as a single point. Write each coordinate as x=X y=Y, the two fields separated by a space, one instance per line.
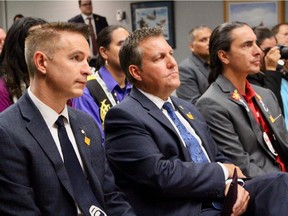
x=93 y=37
x=81 y=188
x=196 y=153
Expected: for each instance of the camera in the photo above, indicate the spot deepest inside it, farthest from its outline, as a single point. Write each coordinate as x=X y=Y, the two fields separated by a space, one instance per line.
x=283 y=51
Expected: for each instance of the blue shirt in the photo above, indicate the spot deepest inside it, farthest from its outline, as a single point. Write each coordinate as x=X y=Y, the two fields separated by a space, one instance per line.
x=284 y=96
x=87 y=104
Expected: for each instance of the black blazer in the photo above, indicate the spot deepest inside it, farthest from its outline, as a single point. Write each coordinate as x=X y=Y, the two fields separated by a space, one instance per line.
x=100 y=21
x=33 y=180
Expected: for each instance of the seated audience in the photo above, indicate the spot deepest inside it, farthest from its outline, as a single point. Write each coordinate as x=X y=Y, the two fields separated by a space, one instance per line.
x=14 y=78
x=160 y=149
x=245 y=120
x=52 y=160
x=194 y=70
x=108 y=86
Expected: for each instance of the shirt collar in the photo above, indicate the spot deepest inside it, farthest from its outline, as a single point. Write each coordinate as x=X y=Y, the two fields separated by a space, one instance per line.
x=49 y=115
x=250 y=93
x=156 y=100
x=109 y=80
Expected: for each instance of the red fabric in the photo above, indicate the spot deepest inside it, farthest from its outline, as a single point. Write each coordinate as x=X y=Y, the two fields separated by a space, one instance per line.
x=250 y=93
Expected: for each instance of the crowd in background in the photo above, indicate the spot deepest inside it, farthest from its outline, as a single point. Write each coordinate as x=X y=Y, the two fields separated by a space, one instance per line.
x=133 y=148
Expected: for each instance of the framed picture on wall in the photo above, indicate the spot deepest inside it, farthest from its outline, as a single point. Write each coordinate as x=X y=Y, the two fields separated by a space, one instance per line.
x=255 y=13
x=155 y=13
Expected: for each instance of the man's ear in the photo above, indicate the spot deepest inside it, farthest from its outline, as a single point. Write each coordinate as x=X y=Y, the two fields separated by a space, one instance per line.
x=102 y=52
x=135 y=72
x=40 y=60
x=223 y=56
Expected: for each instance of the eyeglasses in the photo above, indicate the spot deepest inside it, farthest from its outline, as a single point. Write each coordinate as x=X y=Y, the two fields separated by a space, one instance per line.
x=86 y=4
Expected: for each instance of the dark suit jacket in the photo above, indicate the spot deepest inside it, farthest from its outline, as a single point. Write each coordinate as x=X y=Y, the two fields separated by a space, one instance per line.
x=100 y=21
x=33 y=180
x=236 y=131
x=193 y=78
x=270 y=80
x=151 y=164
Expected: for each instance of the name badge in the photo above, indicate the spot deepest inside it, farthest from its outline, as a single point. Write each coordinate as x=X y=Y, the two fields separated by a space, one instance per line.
x=269 y=144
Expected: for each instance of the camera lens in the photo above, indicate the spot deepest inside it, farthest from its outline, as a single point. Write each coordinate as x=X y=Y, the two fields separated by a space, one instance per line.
x=283 y=52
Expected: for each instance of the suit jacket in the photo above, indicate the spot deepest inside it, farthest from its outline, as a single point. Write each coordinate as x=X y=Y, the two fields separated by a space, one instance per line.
x=271 y=80
x=100 y=21
x=236 y=131
x=33 y=180
x=193 y=78
x=151 y=164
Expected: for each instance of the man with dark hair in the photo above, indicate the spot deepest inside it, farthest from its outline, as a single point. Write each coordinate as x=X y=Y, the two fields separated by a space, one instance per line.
x=281 y=33
x=52 y=159
x=95 y=22
x=245 y=120
x=161 y=150
x=194 y=70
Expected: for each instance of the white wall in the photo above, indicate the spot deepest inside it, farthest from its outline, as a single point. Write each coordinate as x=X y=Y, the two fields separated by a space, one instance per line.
x=188 y=14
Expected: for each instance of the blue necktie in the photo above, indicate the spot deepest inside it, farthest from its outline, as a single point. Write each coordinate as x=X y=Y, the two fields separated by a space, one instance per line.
x=196 y=153
x=83 y=194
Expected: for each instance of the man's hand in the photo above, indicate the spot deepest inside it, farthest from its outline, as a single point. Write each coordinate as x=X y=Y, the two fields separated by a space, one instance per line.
x=242 y=201
x=231 y=167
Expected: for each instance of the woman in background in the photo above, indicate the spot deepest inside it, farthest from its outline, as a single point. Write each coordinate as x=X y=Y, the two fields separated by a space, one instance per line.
x=108 y=85
x=14 y=77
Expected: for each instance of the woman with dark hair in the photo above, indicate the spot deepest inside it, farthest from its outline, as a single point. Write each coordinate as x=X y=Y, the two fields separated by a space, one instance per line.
x=14 y=77
x=108 y=85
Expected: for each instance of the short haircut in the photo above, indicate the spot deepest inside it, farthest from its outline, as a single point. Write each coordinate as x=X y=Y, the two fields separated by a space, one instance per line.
x=275 y=29
x=220 y=40
x=45 y=39
x=130 y=52
x=192 y=32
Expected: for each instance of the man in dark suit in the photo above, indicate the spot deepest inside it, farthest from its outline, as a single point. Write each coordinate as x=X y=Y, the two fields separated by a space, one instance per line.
x=152 y=160
x=98 y=23
x=194 y=70
x=35 y=178
x=245 y=120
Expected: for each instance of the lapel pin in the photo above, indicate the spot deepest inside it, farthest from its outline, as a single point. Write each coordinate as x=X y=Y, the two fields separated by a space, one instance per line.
x=86 y=139
x=271 y=119
x=190 y=116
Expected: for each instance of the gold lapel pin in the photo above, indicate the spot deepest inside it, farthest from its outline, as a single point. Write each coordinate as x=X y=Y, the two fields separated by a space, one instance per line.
x=190 y=116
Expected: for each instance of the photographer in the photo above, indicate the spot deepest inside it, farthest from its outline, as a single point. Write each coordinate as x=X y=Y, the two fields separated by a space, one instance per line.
x=271 y=75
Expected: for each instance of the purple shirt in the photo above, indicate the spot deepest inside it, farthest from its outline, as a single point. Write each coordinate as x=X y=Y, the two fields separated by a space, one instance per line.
x=5 y=97
x=87 y=104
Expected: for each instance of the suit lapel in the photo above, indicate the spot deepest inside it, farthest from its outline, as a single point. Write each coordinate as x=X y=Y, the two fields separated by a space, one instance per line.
x=39 y=130
x=156 y=113
x=192 y=120
x=235 y=97
x=84 y=145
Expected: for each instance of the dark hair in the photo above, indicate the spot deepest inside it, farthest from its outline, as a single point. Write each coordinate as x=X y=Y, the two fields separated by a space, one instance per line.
x=104 y=39
x=220 y=40
x=13 y=67
x=262 y=33
x=130 y=53
x=17 y=16
x=275 y=29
